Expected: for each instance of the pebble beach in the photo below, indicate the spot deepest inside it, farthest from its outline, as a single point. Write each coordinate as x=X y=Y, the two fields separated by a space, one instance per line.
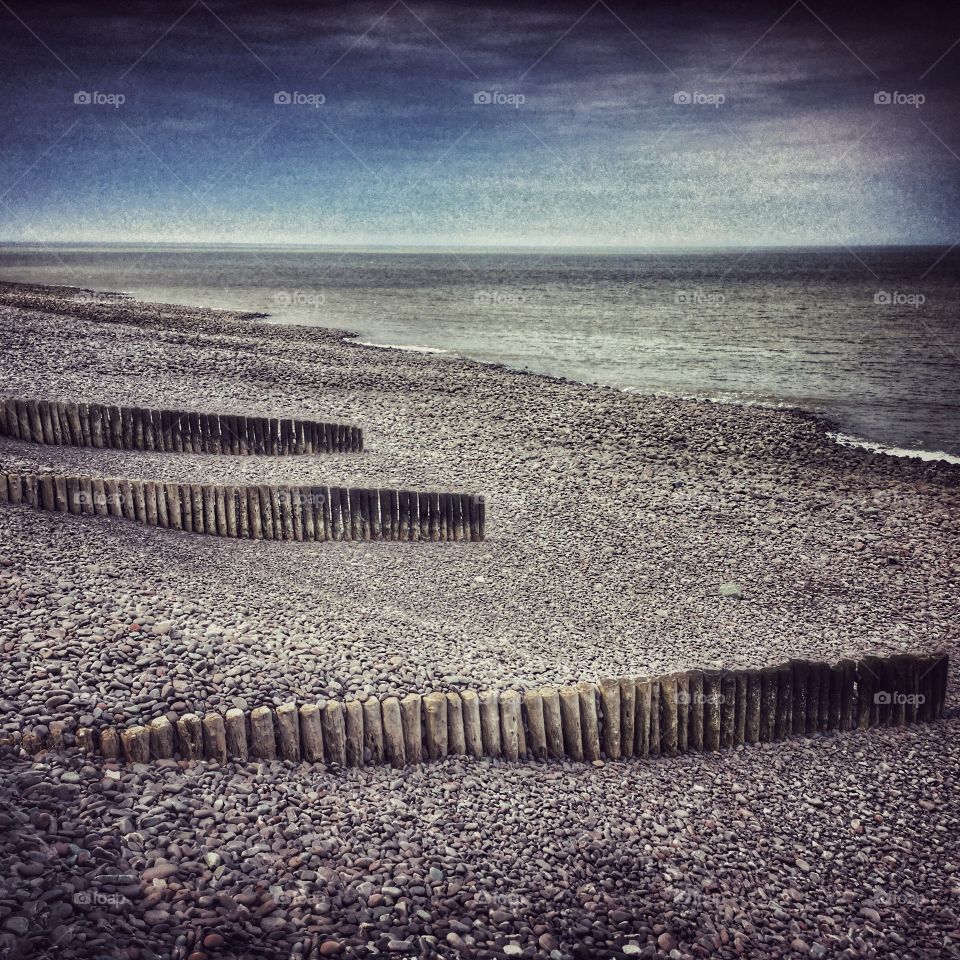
x=625 y=535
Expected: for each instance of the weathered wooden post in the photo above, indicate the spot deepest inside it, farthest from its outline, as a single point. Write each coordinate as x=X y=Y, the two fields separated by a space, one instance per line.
x=334 y=733
x=570 y=721
x=784 y=721
x=410 y=711
x=456 y=739
x=393 y=739
x=728 y=709
x=628 y=716
x=190 y=735
x=610 y=703
x=534 y=721
x=353 y=732
x=490 y=722
x=435 y=714
x=263 y=742
x=214 y=737
x=510 y=724
x=588 y=718
x=668 y=715
x=769 y=679
x=644 y=704
x=712 y=709
x=235 y=724
x=801 y=680
x=472 y=726
x=161 y=738
x=288 y=732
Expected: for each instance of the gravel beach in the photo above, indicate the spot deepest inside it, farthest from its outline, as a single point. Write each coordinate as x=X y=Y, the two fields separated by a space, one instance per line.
x=613 y=521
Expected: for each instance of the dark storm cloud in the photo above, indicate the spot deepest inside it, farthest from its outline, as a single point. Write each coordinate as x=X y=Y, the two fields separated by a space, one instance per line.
x=595 y=146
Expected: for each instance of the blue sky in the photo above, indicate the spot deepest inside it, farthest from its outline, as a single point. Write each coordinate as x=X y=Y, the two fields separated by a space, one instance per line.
x=597 y=124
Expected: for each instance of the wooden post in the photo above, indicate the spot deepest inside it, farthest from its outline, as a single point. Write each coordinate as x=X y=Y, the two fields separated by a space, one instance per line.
x=490 y=722
x=642 y=730
x=668 y=715
x=695 y=710
x=784 y=723
x=435 y=716
x=411 y=713
x=288 y=732
x=800 y=670
x=353 y=713
x=534 y=723
x=740 y=724
x=236 y=733
x=610 y=704
x=588 y=719
x=728 y=709
x=456 y=741
x=570 y=720
x=214 y=737
x=552 y=721
x=472 y=725
x=628 y=715
x=334 y=733
x=712 y=709
x=511 y=724
x=373 y=730
x=190 y=735
x=263 y=742
x=768 y=703
x=393 y=740
x=136 y=744
x=161 y=738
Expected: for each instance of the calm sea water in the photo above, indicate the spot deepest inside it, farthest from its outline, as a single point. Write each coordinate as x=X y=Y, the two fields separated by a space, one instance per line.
x=869 y=338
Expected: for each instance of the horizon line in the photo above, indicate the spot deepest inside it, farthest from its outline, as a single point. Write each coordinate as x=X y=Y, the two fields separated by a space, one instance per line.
x=481 y=247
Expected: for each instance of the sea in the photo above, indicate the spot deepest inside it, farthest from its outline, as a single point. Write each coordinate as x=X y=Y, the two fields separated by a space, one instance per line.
x=867 y=338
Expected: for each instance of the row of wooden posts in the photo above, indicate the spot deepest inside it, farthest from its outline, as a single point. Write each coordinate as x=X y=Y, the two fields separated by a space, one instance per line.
x=263 y=512
x=699 y=710
x=173 y=431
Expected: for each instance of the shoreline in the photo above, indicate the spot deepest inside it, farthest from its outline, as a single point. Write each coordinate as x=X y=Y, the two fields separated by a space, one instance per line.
x=833 y=429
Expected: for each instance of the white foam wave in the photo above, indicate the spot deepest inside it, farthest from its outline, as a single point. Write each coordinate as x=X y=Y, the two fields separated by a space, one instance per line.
x=847 y=441
x=399 y=346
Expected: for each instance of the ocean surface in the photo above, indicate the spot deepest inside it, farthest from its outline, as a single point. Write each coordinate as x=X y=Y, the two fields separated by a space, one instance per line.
x=868 y=338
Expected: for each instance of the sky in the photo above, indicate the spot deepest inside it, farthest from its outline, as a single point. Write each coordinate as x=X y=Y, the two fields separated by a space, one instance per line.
x=396 y=123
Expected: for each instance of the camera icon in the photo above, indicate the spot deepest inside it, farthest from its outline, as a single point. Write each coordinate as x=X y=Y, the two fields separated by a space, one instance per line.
x=682 y=96
x=282 y=298
x=282 y=97
x=882 y=97
x=82 y=898
x=882 y=698
x=82 y=97
x=883 y=298
x=483 y=96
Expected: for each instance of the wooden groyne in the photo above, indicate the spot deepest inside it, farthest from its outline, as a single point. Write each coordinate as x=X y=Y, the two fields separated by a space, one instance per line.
x=696 y=711
x=171 y=431
x=258 y=512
